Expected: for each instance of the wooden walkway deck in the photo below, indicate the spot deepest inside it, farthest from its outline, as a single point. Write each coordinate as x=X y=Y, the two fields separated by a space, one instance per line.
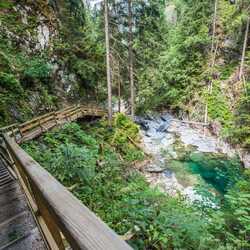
x=18 y=229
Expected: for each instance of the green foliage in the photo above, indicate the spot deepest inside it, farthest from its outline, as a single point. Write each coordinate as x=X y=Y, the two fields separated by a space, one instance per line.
x=233 y=16
x=5 y=4
x=72 y=164
x=88 y=162
x=37 y=69
x=124 y=130
x=240 y=132
x=9 y=81
x=170 y=67
x=120 y=196
x=232 y=223
x=218 y=106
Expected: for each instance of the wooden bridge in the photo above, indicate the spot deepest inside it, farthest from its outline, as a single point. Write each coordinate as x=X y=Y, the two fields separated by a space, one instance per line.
x=36 y=211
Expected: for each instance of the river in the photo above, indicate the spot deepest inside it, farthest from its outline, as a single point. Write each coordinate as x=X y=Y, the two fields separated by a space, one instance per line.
x=185 y=161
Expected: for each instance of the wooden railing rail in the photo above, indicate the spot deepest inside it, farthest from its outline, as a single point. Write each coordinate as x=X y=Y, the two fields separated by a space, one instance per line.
x=32 y=128
x=64 y=221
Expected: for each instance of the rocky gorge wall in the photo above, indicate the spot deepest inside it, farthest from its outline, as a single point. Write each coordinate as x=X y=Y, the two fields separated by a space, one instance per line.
x=36 y=70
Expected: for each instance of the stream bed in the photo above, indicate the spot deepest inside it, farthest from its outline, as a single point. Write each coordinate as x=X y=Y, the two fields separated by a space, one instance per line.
x=185 y=161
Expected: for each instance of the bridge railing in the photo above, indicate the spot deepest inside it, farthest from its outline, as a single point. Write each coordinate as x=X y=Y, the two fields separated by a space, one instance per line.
x=64 y=221
x=33 y=128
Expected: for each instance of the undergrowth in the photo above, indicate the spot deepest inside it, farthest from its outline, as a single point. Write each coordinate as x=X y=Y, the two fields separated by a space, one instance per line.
x=94 y=163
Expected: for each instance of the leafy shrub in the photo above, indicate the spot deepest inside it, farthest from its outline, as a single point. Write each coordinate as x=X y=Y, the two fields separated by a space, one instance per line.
x=240 y=132
x=37 y=69
x=72 y=164
x=120 y=197
x=125 y=131
x=5 y=4
x=10 y=82
x=218 y=106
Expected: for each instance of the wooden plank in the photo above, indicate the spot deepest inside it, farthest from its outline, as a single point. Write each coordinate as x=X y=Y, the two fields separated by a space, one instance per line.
x=11 y=186
x=37 y=131
x=73 y=112
x=81 y=227
x=7 y=128
x=35 y=119
x=47 y=119
x=31 y=240
x=28 y=127
x=64 y=109
x=19 y=225
x=61 y=113
x=37 y=124
x=13 y=207
x=47 y=223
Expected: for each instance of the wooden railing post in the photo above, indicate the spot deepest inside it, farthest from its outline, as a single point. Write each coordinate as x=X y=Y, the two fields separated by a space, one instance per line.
x=52 y=234
x=40 y=125
x=55 y=118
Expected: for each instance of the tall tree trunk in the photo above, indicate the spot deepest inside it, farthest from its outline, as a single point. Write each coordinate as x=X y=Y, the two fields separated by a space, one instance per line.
x=106 y=10
x=241 y=72
x=119 y=89
x=214 y=24
x=131 y=73
x=213 y=57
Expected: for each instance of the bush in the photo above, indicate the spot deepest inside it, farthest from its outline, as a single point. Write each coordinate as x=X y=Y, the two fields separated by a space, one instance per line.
x=240 y=132
x=9 y=81
x=120 y=197
x=37 y=69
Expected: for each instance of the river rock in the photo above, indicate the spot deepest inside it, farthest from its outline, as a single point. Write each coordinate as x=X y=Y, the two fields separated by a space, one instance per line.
x=163 y=127
x=215 y=128
x=142 y=122
x=155 y=168
x=245 y=158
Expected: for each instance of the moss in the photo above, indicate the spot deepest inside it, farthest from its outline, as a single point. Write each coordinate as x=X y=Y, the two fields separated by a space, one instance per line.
x=5 y=4
x=227 y=70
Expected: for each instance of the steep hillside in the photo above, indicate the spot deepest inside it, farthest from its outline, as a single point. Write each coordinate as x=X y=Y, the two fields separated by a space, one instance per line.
x=188 y=60
x=186 y=55
x=48 y=57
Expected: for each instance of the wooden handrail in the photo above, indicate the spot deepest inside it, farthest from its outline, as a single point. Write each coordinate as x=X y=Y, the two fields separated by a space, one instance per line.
x=30 y=129
x=81 y=227
x=7 y=128
x=57 y=211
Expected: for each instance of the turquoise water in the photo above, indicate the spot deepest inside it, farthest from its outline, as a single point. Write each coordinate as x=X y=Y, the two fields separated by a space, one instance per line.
x=215 y=169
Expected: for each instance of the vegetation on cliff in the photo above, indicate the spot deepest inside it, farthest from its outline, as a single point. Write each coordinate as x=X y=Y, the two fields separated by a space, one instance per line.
x=54 y=53
x=50 y=55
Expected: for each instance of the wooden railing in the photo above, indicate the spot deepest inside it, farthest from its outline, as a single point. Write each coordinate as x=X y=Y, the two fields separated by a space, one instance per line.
x=63 y=220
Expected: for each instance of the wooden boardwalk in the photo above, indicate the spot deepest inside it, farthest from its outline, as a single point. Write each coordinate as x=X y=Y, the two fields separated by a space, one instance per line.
x=36 y=211
x=18 y=229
